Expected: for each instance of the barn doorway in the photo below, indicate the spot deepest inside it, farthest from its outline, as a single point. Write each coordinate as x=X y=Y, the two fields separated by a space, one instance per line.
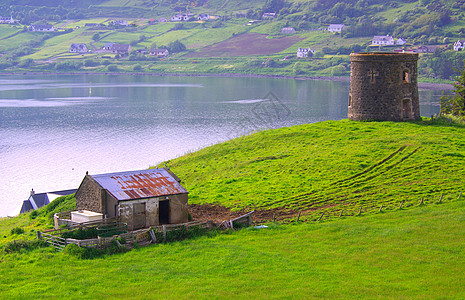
x=406 y=109
x=164 y=212
x=138 y=212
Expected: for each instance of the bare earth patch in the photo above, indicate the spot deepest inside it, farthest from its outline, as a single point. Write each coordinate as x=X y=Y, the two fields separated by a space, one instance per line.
x=247 y=44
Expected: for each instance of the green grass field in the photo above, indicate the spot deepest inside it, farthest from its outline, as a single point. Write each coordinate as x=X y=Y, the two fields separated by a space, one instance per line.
x=409 y=252
x=331 y=165
x=416 y=253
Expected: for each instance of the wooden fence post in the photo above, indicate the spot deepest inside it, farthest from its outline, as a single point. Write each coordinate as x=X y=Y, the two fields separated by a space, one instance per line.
x=381 y=208
x=460 y=195
x=319 y=219
x=440 y=199
x=274 y=218
x=39 y=235
x=298 y=217
x=401 y=203
x=340 y=215
x=359 y=211
x=421 y=202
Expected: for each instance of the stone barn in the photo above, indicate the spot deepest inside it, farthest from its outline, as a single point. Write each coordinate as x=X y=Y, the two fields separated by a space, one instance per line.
x=141 y=198
x=383 y=87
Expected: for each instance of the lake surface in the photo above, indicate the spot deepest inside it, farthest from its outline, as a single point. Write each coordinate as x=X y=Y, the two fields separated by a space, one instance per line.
x=55 y=128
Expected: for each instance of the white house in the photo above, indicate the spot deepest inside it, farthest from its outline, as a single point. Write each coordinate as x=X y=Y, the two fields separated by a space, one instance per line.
x=203 y=17
x=401 y=41
x=336 y=27
x=288 y=30
x=8 y=20
x=120 y=22
x=383 y=40
x=78 y=48
x=159 y=52
x=181 y=17
x=42 y=27
x=459 y=45
x=269 y=16
x=303 y=52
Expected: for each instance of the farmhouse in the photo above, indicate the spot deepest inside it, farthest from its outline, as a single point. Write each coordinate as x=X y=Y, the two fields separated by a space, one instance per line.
x=120 y=23
x=303 y=52
x=78 y=48
x=203 y=17
x=42 y=27
x=8 y=20
x=459 y=45
x=336 y=27
x=269 y=16
x=159 y=52
x=181 y=17
x=401 y=41
x=37 y=200
x=288 y=30
x=383 y=40
x=140 y=198
x=120 y=48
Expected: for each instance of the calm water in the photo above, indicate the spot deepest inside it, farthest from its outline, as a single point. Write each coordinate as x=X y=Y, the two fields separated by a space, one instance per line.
x=55 y=128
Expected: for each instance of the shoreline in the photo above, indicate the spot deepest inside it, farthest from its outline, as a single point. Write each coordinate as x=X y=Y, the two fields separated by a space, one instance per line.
x=421 y=85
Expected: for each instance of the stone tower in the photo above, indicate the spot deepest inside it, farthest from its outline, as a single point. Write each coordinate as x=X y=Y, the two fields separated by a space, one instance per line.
x=383 y=87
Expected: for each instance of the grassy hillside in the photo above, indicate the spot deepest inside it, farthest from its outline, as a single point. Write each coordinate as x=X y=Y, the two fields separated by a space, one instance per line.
x=414 y=252
x=330 y=166
x=434 y=23
x=405 y=254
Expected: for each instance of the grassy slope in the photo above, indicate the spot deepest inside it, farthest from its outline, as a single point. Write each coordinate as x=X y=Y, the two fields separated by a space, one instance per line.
x=332 y=165
x=413 y=252
x=409 y=254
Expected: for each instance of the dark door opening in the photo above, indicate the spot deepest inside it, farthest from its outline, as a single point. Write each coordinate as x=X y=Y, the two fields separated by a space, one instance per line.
x=164 y=212
x=406 y=109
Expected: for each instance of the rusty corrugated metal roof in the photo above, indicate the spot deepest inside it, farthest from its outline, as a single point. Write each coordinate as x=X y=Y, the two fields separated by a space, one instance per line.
x=133 y=185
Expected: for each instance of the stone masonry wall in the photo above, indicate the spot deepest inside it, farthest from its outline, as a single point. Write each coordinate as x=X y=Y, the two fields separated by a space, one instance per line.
x=384 y=87
x=89 y=196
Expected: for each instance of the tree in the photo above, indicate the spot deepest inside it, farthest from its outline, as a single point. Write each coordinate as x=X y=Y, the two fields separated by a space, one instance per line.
x=96 y=37
x=454 y=103
x=176 y=46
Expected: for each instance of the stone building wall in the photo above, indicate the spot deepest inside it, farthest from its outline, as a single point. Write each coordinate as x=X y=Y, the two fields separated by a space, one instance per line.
x=384 y=87
x=90 y=196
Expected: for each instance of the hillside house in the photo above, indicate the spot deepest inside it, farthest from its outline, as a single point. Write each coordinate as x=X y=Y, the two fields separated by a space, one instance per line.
x=107 y=46
x=269 y=16
x=140 y=198
x=37 y=200
x=288 y=30
x=203 y=17
x=8 y=20
x=120 y=48
x=159 y=52
x=120 y=23
x=162 y=20
x=42 y=28
x=400 y=41
x=459 y=45
x=78 y=48
x=303 y=52
x=181 y=17
x=336 y=27
x=384 y=40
